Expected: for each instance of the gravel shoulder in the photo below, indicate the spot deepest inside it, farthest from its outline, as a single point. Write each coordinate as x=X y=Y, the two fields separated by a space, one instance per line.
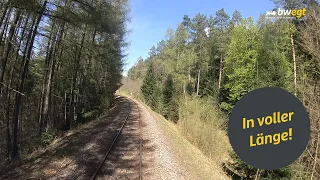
x=165 y=153
x=174 y=157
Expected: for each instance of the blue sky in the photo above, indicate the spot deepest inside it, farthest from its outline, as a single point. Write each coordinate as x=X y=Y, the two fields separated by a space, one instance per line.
x=150 y=19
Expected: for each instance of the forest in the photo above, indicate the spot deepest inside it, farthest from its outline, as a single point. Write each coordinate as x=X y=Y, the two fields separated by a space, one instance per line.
x=60 y=65
x=196 y=74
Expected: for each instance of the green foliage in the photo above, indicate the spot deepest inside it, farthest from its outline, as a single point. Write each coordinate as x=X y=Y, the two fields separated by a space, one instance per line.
x=157 y=100
x=66 y=63
x=252 y=55
x=241 y=167
x=236 y=18
x=189 y=89
x=249 y=172
x=87 y=116
x=275 y=64
x=148 y=87
x=167 y=95
x=221 y=19
x=241 y=61
x=281 y=174
x=137 y=71
x=209 y=85
x=46 y=138
x=290 y=4
x=170 y=106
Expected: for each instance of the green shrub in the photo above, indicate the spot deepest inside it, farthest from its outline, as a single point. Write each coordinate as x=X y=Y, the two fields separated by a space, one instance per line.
x=248 y=172
x=46 y=138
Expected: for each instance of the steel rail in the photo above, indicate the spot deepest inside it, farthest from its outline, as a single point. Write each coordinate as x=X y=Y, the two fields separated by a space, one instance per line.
x=109 y=150
x=140 y=143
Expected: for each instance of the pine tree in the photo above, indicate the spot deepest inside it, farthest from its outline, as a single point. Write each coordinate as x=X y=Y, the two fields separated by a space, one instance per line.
x=275 y=55
x=167 y=95
x=148 y=87
x=58 y=63
x=221 y=21
x=198 y=35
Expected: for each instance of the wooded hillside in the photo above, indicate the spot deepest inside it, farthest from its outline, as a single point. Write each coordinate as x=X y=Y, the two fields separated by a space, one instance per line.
x=223 y=57
x=60 y=64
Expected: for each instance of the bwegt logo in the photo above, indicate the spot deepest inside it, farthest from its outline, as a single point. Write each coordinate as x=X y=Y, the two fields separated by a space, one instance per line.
x=287 y=13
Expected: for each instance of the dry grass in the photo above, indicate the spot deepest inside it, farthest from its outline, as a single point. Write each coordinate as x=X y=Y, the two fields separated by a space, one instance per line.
x=201 y=122
x=191 y=158
x=130 y=86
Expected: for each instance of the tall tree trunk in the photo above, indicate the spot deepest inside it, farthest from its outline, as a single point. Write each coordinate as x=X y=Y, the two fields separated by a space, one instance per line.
x=40 y=113
x=7 y=110
x=26 y=60
x=4 y=23
x=10 y=81
x=294 y=66
x=75 y=77
x=56 y=55
x=18 y=97
x=198 y=82
x=20 y=128
x=66 y=118
x=220 y=71
x=5 y=8
x=44 y=106
x=47 y=91
x=91 y=55
x=4 y=59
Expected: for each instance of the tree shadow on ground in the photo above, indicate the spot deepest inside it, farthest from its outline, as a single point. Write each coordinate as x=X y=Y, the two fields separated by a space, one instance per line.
x=124 y=160
x=78 y=155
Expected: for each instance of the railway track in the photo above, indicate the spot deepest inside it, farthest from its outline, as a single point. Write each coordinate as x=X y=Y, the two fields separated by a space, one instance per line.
x=102 y=163
x=110 y=148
